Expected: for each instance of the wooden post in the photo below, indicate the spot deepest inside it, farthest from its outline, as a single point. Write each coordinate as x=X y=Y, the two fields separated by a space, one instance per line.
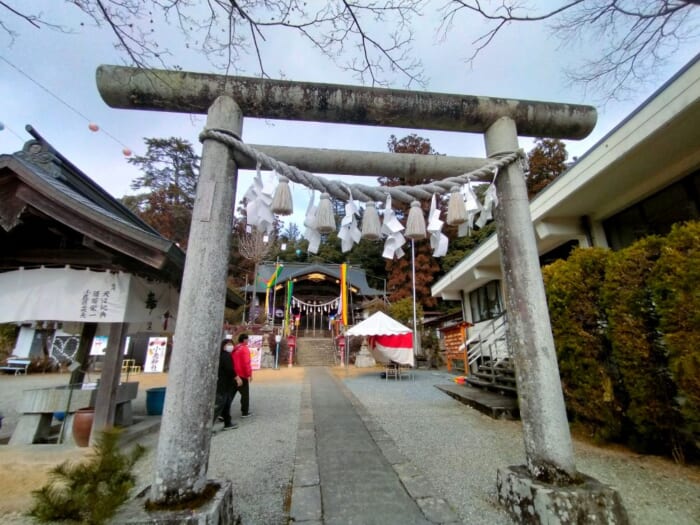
x=106 y=401
x=82 y=354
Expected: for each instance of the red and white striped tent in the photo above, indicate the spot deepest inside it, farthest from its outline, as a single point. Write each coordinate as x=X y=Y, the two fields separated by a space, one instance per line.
x=389 y=340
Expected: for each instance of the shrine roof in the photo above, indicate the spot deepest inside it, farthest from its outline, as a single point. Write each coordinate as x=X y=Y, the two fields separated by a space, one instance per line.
x=53 y=214
x=356 y=276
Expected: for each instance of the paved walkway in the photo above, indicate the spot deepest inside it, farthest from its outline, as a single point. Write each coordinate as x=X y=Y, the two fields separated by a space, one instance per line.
x=348 y=470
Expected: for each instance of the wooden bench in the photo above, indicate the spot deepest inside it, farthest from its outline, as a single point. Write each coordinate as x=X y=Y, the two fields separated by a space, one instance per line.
x=16 y=366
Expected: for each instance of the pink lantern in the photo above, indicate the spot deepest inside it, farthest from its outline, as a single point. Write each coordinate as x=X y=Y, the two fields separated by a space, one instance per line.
x=93 y=127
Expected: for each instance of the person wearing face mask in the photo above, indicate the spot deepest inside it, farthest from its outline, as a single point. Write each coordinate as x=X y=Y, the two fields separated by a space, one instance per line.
x=225 y=385
x=241 y=362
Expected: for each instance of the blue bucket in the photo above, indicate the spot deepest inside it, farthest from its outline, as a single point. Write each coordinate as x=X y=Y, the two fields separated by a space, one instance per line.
x=155 y=399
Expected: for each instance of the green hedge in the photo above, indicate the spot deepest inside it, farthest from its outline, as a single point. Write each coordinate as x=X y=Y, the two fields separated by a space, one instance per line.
x=626 y=326
x=676 y=292
x=583 y=351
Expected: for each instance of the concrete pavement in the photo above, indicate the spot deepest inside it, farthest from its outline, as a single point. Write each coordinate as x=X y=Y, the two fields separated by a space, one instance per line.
x=348 y=470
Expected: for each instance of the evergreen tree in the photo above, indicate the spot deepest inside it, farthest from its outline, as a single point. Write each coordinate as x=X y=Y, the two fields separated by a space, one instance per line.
x=170 y=172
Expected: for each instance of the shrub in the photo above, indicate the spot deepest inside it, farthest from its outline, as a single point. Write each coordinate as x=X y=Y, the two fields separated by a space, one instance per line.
x=676 y=295
x=89 y=492
x=645 y=386
x=583 y=350
x=8 y=336
x=402 y=311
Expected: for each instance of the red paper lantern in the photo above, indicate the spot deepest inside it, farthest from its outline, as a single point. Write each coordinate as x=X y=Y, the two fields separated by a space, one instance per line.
x=126 y=152
x=93 y=127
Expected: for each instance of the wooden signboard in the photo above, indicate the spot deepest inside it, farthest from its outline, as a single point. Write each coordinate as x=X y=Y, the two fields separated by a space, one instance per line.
x=454 y=336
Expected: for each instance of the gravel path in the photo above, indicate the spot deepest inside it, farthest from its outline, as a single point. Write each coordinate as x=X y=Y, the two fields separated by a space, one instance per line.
x=457 y=448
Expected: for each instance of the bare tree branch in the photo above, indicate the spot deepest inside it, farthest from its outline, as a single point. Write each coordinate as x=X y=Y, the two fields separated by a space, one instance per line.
x=254 y=246
x=638 y=36
x=352 y=33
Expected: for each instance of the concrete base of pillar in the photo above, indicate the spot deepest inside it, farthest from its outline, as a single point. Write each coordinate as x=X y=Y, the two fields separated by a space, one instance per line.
x=217 y=511
x=534 y=502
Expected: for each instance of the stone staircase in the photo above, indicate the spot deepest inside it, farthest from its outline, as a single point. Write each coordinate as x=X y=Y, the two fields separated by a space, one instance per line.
x=315 y=352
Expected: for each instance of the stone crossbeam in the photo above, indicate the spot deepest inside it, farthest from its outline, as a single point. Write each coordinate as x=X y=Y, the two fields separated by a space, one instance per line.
x=187 y=92
x=408 y=166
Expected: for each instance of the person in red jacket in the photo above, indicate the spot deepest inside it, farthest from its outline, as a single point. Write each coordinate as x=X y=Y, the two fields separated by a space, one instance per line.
x=244 y=371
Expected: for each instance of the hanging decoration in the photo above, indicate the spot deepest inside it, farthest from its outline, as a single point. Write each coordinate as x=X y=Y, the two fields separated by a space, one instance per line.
x=270 y=284
x=259 y=198
x=456 y=208
x=288 y=304
x=349 y=233
x=392 y=228
x=311 y=233
x=325 y=220
x=320 y=220
x=93 y=127
x=282 y=200
x=466 y=227
x=438 y=240
x=371 y=228
x=415 y=224
x=344 y=294
x=490 y=201
x=333 y=303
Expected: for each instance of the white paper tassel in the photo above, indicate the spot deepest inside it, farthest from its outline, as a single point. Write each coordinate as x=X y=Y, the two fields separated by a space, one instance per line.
x=392 y=228
x=438 y=240
x=456 y=209
x=325 y=220
x=415 y=224
x=349 y=233
x=371 y=229
x=259 y=197
x=282 y=200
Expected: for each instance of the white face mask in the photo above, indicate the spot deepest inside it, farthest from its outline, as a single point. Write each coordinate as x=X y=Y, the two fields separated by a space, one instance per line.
x=228 y=348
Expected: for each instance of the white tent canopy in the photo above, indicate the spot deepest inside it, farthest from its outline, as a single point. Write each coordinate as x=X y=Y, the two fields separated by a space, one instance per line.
x=389 y=340
x=378 y=324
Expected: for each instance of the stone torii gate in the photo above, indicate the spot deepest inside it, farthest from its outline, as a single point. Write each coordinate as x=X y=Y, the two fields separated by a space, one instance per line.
x=184 y=443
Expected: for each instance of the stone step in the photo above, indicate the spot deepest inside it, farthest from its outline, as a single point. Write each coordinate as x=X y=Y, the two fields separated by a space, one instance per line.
x=315 y=352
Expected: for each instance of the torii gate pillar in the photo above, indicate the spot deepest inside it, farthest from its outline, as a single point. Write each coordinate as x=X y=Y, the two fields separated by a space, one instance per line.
x=548 y=490
x=185 y=434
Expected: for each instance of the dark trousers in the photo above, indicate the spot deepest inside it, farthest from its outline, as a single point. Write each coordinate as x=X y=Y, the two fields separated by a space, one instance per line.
x=244 y=389
x=223 y=405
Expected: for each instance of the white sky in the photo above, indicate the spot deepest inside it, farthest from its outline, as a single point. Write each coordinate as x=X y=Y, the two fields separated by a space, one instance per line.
x=522 y=63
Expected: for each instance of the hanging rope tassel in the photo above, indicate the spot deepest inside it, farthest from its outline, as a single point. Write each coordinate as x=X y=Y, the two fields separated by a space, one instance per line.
x=282 y=203
x=456 y=209
x=371 y=228
x=415 y=224
x=325 y=220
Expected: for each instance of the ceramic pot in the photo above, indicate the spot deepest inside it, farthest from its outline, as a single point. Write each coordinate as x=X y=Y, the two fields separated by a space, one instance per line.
x=82 y=426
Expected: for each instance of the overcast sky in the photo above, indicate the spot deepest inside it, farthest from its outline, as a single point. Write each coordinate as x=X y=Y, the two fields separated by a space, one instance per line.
x=522 y=63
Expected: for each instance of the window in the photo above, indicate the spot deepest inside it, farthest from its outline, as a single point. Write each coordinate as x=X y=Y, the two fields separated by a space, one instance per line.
x=656 y=214
x=486 y=302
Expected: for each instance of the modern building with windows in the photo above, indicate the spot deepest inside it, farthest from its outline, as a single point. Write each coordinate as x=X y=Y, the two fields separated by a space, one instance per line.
x=639 y=179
